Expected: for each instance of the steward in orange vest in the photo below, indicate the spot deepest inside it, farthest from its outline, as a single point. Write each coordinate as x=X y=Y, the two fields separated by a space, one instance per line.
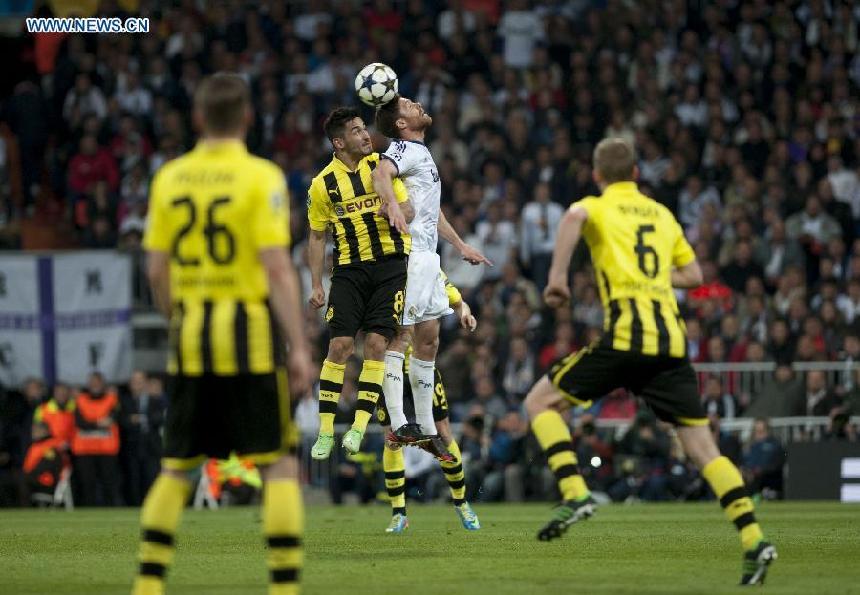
x=45 y=460
x=58 y=414
x=96 y=444
x=96 y=428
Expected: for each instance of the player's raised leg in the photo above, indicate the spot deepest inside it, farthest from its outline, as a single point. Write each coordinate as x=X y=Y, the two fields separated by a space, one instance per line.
x=726 y=482
x=543 y=405
x=330 y=387
x=369 y=389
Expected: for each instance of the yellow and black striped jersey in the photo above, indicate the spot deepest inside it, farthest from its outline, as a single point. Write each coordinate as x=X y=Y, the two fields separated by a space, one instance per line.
x=345 y=202
x=635 y=243
x=213 y=210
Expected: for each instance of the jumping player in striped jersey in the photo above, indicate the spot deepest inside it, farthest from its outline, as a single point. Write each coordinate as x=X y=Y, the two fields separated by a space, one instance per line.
x=369 y=277
x=639 y=254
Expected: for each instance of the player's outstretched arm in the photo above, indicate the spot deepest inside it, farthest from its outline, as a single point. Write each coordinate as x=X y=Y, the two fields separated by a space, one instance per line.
x=469 y=254
x=688 y=276
x=316 y=261
x=382 y=177
x=284 y=288
x=158 y=272
x=557 y=292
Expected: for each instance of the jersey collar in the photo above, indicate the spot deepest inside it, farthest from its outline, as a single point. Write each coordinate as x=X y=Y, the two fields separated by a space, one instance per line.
x=617 y=187
x=344 y=166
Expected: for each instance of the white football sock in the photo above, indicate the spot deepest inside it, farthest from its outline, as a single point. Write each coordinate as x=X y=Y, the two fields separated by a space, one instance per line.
x=392 y=388
x=421 y=381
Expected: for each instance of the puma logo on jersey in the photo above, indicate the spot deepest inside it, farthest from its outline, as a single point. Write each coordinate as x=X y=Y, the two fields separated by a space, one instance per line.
x=435 y=175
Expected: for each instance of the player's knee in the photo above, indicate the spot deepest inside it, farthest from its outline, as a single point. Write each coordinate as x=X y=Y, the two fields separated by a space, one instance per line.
x=426 y=346
x=402 y=338
x=375 y=346
x=537 y=402
x=339 y=349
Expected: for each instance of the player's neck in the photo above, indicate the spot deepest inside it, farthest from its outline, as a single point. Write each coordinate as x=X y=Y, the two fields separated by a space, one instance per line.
x=413 y=135
x=350 y=161
x=212 y=140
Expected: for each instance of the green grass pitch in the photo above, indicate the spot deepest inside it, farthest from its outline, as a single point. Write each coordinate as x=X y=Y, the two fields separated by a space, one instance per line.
x=657 y=548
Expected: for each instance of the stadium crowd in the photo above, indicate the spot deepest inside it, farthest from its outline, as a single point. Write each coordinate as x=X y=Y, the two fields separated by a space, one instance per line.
x=745 y=116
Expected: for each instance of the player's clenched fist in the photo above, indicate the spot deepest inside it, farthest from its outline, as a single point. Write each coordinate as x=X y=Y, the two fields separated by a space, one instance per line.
x=317 y=299
x=556 y=296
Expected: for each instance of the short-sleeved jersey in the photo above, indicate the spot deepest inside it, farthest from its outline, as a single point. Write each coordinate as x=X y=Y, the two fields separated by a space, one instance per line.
x=213 y=210
x=415 y=166
x=635 y=243
x=345 y=202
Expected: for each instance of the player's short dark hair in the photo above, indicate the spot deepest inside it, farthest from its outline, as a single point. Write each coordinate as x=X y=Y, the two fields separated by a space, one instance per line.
x=335 y=123
x=615 y=159
x=223 y=99
x=387 y=116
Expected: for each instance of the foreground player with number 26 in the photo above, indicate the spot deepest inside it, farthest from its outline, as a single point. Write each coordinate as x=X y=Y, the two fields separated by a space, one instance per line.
x=639 y=254
x=217 y=242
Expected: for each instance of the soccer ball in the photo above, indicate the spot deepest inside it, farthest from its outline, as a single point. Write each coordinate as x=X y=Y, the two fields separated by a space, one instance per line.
x=376 y=84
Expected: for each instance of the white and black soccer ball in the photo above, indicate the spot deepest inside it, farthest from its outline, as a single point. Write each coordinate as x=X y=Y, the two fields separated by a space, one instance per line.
x=376 y=84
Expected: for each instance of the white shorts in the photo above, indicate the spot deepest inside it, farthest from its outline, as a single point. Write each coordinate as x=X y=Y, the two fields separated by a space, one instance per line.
x=426 y=298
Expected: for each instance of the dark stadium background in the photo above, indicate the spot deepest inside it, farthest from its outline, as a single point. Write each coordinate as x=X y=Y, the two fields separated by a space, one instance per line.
x=747 y=123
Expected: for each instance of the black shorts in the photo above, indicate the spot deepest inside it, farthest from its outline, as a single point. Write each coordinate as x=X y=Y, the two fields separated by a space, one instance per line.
x=667 y=384
x=212 y=416
x=367 y=296
x=440 y=401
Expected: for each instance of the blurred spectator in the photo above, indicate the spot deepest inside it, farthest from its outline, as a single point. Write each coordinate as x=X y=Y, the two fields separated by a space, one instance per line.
x=762 y=464
x=840 y=429
x=519 y=373
x=142 y=416
x=820 y=399
x=782 y=396
x=717 y=401
x=520 y=28
x=505 y=461
x=538 y=230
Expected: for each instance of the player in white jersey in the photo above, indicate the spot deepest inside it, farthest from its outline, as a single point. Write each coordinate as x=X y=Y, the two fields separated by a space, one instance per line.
x=407 y=158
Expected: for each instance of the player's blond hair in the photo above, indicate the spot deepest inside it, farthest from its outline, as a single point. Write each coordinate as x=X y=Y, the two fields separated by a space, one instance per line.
x=223 y=99
x=614 y=160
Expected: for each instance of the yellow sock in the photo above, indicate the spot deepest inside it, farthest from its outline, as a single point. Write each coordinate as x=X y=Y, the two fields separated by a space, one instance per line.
x=331 y=385
x=369 y=388
x=283 y=525
x=455 y=475
x=159 y=518
x=554 y=438
x=395 y=478
x=728 y=485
